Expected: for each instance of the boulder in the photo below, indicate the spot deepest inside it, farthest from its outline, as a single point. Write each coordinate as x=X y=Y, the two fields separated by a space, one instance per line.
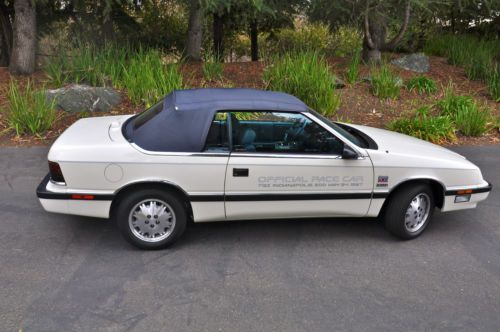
x=417 y=62
x=84 y=98
x=339 y=84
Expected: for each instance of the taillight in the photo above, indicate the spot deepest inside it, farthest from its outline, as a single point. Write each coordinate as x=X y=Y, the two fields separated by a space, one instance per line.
x=55 y=172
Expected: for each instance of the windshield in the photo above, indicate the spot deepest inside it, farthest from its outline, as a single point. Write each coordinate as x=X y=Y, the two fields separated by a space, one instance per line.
x=353 y=139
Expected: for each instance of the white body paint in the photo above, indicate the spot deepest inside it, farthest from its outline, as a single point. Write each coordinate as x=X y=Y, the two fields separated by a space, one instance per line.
x=96 y=159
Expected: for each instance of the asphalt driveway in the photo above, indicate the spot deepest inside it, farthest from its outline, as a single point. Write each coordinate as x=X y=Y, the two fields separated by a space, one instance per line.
x=69 y=273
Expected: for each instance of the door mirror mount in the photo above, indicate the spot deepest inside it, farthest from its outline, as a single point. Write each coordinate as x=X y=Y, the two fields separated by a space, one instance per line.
x=349 y=153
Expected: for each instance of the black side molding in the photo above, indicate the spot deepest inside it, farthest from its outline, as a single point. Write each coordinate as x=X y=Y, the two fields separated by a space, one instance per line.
x=42 y=192
x=284 y=197
x=469 y=190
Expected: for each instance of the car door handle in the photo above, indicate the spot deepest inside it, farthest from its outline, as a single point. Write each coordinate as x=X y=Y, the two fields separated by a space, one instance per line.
x=240 y=172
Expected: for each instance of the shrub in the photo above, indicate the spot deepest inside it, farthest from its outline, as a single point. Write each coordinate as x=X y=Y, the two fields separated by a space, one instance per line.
x=464 y=112
x=212 y=69
x=147 y=79
x=436 y=129
x=352 y=74
x=29 y=111
x=384 y=84
x=308 y=37
x=422 y=84
x=307 y=76
x=346 y=40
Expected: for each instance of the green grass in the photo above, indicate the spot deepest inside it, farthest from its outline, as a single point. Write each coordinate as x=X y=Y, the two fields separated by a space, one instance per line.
x=87 y=64
x=384 y=84
x=147 y=79
x=212 y=69
x=422 y=85
x=473 y=54
x=468 y=117
x=436 y=129
x=493 y=82
x=141 y=72
x=352 y=73
x=472 y=121
x=29 y=111
x=307 y=76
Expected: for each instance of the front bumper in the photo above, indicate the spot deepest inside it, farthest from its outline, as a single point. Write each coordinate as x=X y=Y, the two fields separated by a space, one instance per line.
x=474 y=195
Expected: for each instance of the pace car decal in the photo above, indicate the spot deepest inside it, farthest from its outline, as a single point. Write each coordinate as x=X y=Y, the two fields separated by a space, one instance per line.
x=309 y=182
x=382 y=181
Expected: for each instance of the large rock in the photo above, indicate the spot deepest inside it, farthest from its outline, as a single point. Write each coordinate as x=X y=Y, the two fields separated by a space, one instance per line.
x=417 y=62
x=81 y=98
x=339 y=84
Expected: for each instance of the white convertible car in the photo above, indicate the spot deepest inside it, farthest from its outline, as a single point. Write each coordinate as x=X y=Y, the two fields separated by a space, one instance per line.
x=232 y=154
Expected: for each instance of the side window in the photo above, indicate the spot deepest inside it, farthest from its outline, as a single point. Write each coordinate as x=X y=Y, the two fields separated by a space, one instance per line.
x=281 y=132
x=217 y=138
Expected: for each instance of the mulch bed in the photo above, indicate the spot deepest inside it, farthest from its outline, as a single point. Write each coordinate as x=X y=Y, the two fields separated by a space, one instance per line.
x=358 y=104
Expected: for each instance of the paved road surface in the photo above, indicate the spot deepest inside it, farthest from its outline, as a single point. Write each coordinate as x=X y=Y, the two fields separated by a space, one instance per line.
x=71 y=273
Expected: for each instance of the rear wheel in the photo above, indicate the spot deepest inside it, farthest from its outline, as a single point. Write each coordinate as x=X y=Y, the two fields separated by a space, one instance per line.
x=151 y=219
x=409 y=211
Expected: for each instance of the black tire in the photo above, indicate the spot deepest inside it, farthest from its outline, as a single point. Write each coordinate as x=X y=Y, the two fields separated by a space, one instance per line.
x=399 y=202
x=129 y=202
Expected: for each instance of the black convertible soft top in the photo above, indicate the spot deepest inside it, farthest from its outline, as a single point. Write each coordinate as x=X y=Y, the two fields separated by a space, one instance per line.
x=182 y=124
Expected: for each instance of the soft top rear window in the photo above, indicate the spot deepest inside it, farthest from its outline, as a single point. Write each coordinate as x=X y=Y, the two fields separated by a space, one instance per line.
x=140 y=119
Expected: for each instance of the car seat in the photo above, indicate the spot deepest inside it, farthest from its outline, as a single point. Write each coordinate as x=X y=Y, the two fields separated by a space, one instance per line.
x=247 y=140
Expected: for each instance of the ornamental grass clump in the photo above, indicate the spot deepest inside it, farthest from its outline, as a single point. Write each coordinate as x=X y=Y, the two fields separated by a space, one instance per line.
x=436 y=129
x=352 y=73
x=475 y=55
x=307 y=76
x=422 y=85
x=384 y=84
x=29 y=111
x=212 y=68
x=147 y=79
x=468 y=117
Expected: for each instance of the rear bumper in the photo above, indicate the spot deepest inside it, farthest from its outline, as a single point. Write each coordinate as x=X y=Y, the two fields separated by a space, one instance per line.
x=475 y=195
x=82 y=204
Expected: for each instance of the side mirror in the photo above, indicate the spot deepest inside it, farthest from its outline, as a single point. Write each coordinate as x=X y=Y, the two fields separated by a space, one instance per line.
x=349 y=153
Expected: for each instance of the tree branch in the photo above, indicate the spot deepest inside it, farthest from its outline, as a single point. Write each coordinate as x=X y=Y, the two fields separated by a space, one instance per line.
x=368 y=35
x=397 y=39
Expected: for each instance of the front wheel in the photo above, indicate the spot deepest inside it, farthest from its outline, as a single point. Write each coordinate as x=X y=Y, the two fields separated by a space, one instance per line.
x=151 y=219
x=409 y=211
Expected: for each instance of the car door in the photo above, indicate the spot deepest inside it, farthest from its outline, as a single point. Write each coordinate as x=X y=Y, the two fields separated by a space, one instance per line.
x=287 y=165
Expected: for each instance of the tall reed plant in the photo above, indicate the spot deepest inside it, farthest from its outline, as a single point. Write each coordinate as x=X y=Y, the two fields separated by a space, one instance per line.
x=147 y=79
x=352 y=73
x=385 y=84
x=29 y=111
x=473 y=54
x=307 y=76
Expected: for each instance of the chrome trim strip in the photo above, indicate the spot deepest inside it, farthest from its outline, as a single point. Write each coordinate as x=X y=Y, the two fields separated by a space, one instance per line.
x=57 y=183
x=283 y=155
x=188 y=154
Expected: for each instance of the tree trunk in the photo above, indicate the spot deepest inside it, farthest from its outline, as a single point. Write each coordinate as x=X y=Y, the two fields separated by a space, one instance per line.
x=375 y=33
x=5 y=36
x=254 y=42
x=218 y=30
x=195 y=32
x=374 y=39
x=24 y=38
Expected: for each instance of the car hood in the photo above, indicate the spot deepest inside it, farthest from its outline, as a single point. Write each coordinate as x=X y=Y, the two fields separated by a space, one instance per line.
x=396 y=143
